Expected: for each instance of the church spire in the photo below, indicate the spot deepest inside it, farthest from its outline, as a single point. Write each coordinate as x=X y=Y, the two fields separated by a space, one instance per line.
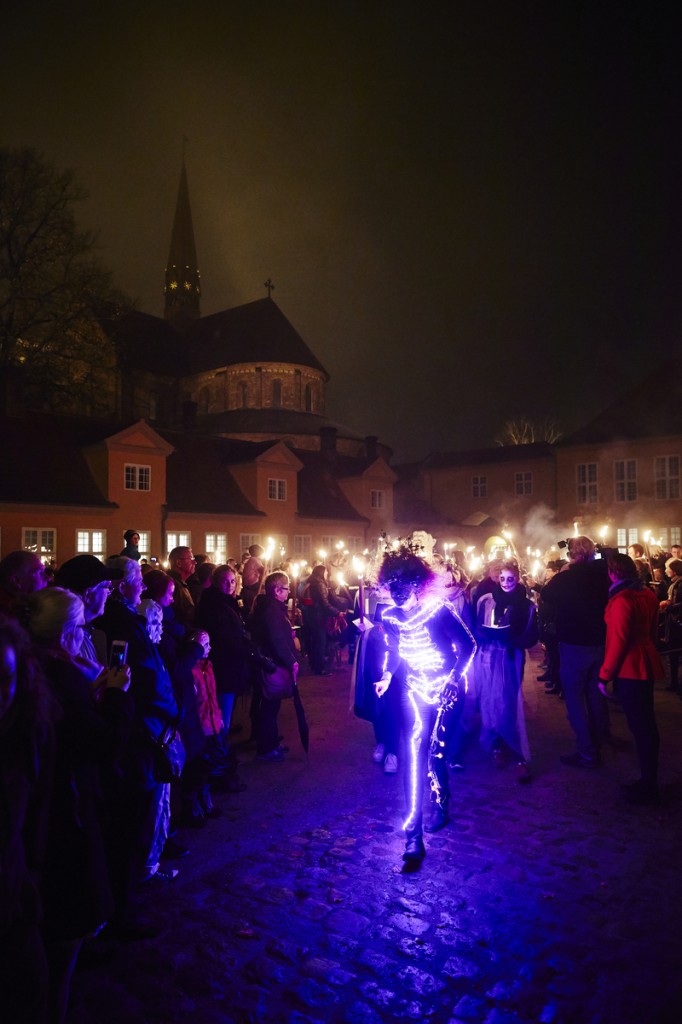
x=182 y=288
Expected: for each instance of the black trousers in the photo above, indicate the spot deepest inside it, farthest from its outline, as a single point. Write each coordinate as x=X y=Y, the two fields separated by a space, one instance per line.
x=636 y=697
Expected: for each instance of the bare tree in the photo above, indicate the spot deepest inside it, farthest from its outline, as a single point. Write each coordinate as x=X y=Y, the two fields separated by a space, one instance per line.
x=523 y=430
x=53 y=289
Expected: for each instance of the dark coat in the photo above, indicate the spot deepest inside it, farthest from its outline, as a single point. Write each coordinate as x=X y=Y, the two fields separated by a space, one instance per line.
x=180 y=654
x=271 y=629
x=150 y=685
x=231 y=646
x=579 y=594
x=91 y=737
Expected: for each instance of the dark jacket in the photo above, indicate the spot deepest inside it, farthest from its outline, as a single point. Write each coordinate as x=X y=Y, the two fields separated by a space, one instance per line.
x=180 y=654
x=271 y=630
x=579 y=594
x=90 y=741
x=150 y=685
x=231 y=645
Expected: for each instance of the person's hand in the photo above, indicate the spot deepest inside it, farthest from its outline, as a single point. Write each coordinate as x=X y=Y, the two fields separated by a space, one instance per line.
x=117 y=678
x=294 y=669
x=603 y=683
x=663 y=605
x=383 y=684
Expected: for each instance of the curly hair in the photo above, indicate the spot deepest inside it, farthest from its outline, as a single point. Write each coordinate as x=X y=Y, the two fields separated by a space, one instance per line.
x=405 y=573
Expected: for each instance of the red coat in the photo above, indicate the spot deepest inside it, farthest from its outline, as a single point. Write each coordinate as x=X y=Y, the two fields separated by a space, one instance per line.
x=631 y=618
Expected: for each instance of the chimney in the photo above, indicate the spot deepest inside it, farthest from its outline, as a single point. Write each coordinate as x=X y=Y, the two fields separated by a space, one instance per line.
x=189 y=415
x=371 y=446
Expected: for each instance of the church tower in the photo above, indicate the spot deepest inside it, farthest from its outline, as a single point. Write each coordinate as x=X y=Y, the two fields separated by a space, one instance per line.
x=182 y=288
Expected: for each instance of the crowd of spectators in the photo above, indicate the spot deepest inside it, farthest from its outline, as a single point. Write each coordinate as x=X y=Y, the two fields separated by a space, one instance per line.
x=118 y=684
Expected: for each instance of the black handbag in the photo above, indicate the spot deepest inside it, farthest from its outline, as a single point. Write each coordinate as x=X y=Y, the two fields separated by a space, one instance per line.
x=169 y=755
x=278 y=685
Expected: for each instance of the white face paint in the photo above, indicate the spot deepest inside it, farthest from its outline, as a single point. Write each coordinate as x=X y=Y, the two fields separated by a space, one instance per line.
x=507 y=581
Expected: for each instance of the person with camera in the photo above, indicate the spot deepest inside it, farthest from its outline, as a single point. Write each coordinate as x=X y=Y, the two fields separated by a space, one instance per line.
x=578 y=595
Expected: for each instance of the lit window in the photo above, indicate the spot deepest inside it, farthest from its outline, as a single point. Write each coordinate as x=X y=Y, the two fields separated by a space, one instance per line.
x=178 y=540
x=41 y=542
x=523 y=483
x=479 y=487
x=91 y=542
x=377 y=499
x=246 y=540
x=586 y=478
x=625 y=479
x=674 y=535
x=303 y=545
x=216 y=547
x=143 y=544
x=138 y=478
x=667 y=476
x=277 y=490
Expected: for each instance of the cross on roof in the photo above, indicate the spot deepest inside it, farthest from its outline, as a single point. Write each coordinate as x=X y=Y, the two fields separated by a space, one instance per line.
x=269 y=285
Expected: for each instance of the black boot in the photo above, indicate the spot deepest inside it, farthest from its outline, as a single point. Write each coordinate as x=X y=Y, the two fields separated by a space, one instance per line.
x=414 y=847
x=439 y=819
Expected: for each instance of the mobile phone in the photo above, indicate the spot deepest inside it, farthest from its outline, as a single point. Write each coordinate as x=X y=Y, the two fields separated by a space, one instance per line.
x=154 y=560
x=118 y=654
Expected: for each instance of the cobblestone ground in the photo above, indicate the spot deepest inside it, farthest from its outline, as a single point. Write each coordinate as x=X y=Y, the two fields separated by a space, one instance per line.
x=554 y=903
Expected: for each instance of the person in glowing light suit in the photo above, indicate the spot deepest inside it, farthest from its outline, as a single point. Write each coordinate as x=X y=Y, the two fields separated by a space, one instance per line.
x=432 y=648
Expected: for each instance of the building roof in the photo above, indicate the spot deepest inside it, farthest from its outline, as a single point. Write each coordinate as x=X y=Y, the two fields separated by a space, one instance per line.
x=252 y=333
x=478 y=456
x=652 y=409
x=198 y=477
x=42 y=460
x=280 y=423
x=319 y=495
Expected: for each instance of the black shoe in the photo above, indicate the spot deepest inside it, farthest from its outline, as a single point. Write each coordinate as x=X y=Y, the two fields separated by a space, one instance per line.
x=193 y=819
x=552 y=689
x=414 y=848
x=544 y=678
x=173 y=850
x=439 y=820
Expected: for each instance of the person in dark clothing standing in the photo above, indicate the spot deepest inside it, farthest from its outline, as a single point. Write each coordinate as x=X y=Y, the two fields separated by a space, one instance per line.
x=271 y=630
x=579 y=594
x=131 y=549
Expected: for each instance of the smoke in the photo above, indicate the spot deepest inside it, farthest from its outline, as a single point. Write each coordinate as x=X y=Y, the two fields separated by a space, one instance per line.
x=542 y=531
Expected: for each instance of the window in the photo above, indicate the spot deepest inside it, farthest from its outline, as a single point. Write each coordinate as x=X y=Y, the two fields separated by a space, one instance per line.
x=246 y=540
x=377 y=499
x=625 y=478
x=138 y=478
x=667 y=476
x=216 y=547
x=674 y=535
x=479 y=487
x=242 y=395
x=175 y=540
x=91 y=542
x=277 y=490
x=40 y=541
x=328 y=543
x=621 y=540
x=356 y=545
x=303 y=545
x=309 y=398
x=277 y=393
x=586 y=475
x=145 y=543
x=523 y=483
x=633 y=535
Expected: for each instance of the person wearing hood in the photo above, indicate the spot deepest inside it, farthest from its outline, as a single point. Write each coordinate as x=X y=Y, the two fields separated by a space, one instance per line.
x=632 y=664
x=505 y=625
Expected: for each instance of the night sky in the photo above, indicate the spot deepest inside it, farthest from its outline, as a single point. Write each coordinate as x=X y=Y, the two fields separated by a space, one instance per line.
x=469 y=210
